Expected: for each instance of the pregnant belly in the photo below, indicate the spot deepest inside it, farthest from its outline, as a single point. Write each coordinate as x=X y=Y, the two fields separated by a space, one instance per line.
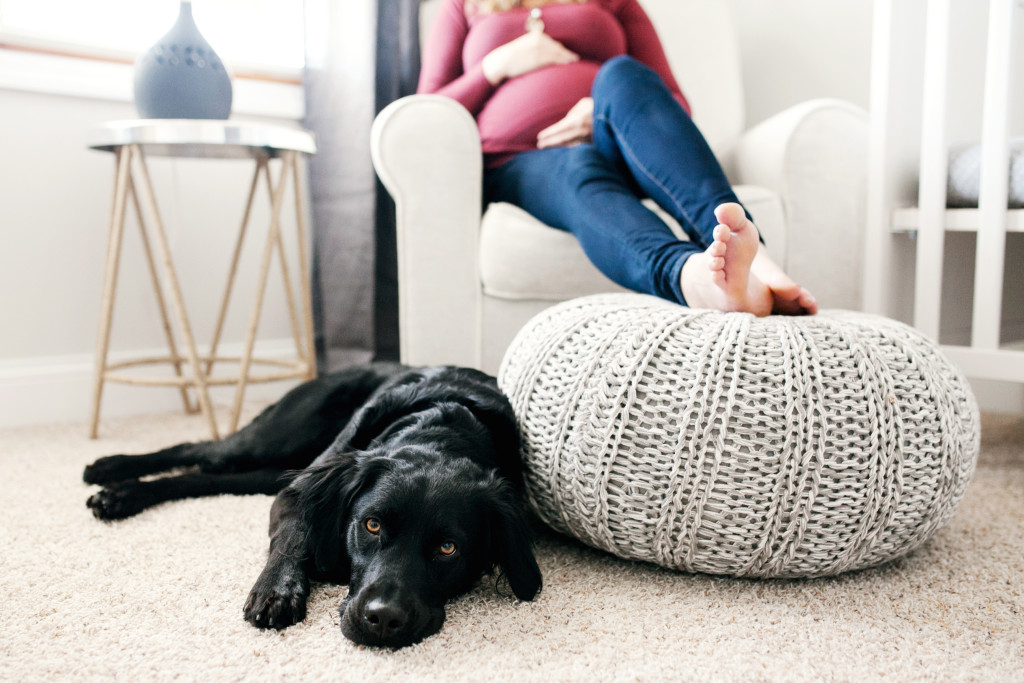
x=522 y=107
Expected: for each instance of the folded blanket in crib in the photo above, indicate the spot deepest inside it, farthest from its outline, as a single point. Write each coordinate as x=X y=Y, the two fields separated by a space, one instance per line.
x=965 y=174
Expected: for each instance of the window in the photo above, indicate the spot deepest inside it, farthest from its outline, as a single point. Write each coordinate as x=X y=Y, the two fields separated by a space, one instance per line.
x=261 y=36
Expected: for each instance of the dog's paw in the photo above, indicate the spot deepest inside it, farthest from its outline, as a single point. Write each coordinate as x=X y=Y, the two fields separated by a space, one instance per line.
x=108 y=470
x=114 y=502
x=276 y=608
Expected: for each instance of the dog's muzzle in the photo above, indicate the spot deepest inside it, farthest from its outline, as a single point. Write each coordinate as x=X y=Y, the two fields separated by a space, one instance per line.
x=388 y=619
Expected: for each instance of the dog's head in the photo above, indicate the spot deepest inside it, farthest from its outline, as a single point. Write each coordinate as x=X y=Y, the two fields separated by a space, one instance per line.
x=409 y=530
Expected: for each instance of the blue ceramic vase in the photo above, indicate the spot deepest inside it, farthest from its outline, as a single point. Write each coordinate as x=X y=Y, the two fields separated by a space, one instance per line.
x=181 y=77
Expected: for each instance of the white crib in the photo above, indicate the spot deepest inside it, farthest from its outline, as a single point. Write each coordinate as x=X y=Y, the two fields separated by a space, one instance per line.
x=943 y=70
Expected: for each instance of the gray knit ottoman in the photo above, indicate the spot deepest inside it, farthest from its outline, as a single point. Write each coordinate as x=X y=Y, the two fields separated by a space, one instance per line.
x=729 y=444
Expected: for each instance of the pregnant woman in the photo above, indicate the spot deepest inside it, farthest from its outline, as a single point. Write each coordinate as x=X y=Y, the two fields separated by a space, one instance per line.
x=580 y=119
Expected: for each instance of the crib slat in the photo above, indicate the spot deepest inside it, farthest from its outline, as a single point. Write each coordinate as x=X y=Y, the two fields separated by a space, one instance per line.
x=989 y=266
x=893 y=145
x=933 y=167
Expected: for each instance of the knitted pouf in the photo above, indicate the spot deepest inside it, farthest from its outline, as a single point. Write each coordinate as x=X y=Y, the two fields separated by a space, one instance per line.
x=729 y=444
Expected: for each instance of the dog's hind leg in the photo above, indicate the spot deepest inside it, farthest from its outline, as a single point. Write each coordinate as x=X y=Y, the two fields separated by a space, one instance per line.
x=126 y=498
x=254 y=447
x=264 y=443
x=287 y=435
x=114 y=468
x=267 y=442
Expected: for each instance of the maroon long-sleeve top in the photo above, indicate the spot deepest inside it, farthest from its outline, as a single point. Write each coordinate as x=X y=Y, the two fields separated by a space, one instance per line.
x=512 y=113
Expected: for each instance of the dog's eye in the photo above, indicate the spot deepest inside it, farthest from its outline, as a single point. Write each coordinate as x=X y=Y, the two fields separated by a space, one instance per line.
x=372 y=525
x=448 y=548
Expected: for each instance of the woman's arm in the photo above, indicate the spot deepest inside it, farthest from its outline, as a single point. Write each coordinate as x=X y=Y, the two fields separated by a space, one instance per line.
x=441 y=71
x=642 y=43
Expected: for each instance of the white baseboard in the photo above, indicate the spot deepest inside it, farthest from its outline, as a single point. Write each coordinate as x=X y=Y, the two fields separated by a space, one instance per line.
x=56 y=389
x=999 y=397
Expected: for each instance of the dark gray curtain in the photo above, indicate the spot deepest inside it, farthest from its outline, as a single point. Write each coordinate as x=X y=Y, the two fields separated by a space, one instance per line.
x=339 y=85
x=360 y=55
x=398 y=69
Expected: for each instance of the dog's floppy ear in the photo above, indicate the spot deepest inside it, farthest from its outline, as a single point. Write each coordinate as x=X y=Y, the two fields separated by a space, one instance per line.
x=496 y=415
x=510 y=545
x=326 y=494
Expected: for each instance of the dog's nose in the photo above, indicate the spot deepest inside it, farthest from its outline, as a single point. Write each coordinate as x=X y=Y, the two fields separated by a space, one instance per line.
x=383 y=618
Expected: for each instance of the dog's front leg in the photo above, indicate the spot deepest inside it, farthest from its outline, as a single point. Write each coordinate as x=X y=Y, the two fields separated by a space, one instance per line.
x=279 y=597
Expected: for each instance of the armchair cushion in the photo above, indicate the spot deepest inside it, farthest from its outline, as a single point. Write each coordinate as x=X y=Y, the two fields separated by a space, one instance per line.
x=522 y=258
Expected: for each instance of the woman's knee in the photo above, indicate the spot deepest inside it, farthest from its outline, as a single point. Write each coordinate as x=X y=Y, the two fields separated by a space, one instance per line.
x=621 y=65
x=624 y=73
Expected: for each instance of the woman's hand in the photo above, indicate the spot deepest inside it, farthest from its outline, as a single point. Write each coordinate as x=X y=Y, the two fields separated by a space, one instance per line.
x=528 y=52
x=576 y=127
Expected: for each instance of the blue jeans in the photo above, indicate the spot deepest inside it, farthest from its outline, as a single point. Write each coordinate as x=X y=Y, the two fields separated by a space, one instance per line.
x=644 y=145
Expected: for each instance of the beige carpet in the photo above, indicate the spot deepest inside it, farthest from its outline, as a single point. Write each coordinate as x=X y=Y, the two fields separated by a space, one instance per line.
x=160 y=596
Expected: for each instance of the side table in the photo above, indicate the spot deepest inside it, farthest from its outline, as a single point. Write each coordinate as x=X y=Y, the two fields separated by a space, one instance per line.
x=131 y=142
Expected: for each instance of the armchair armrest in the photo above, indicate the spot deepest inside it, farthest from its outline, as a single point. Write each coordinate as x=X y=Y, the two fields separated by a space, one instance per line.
x=426 y=151
x=814 y=156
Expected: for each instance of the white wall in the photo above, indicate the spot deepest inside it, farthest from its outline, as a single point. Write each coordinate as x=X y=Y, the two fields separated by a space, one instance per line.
x=796 y=50
x=55 y=198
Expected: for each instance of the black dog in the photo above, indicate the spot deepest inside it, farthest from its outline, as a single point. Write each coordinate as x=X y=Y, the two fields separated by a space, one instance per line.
x=402 y=483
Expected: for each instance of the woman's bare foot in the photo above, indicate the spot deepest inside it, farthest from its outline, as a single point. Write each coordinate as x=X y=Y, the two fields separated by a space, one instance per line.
x=720 y=278
x=735 y=273
x=788 y=298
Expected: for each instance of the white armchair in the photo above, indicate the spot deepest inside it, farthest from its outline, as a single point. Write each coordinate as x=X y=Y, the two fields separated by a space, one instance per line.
x=467 y=282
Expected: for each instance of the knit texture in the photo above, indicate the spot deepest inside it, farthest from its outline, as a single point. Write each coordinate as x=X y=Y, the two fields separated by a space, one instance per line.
x=729 y=444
